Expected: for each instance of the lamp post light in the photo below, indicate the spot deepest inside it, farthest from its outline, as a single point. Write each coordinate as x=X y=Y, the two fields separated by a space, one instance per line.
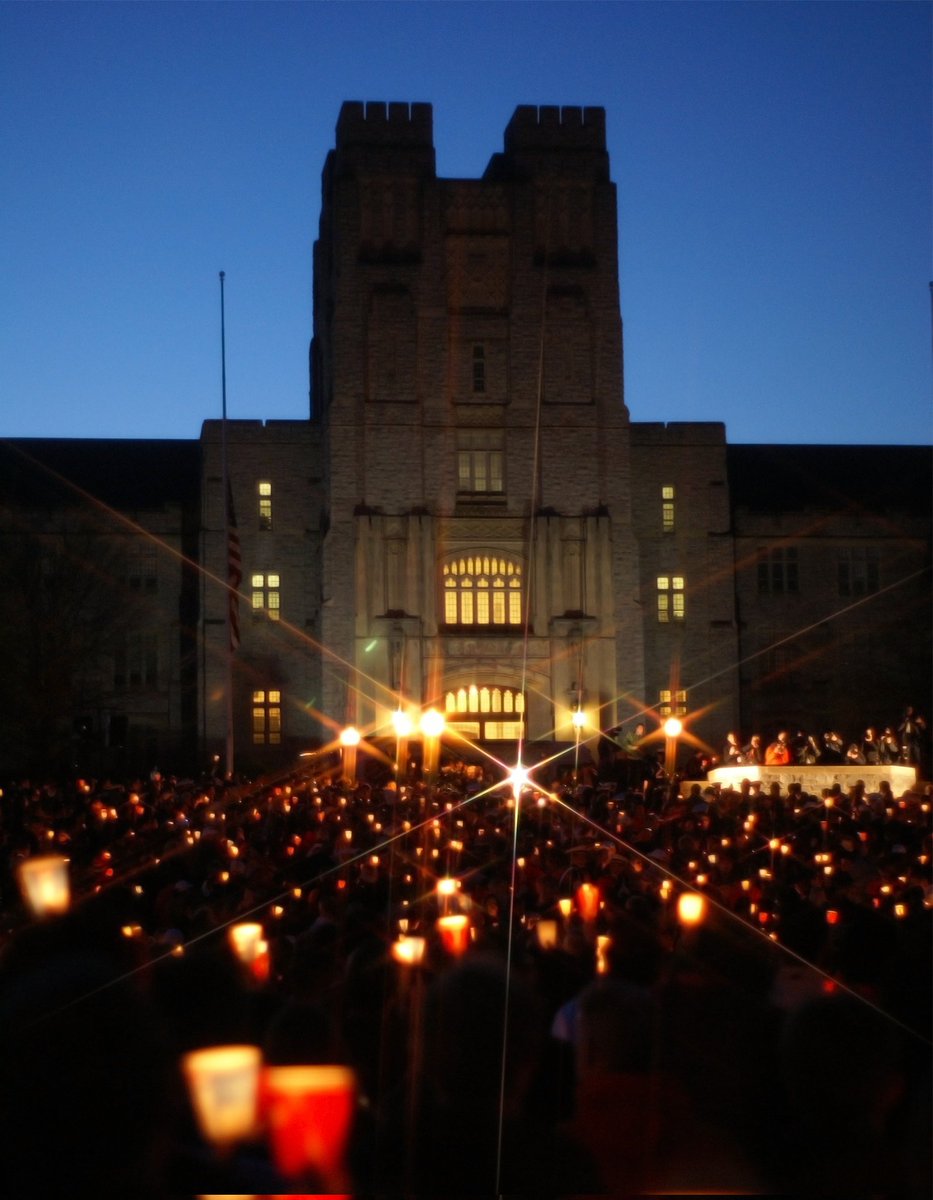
x=673 y=728
x=403 y=726
x=349 y=741
x=432 y=725
x=578 y=718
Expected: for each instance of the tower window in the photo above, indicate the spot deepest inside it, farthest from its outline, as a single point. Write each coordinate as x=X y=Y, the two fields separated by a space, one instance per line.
x=142 y=566
x=479 y=461
x=266 y=596
x=667 y=508
x=267 y=718
x=265 y=505
x=479 y=369
x=671 y=599
x=482 y=590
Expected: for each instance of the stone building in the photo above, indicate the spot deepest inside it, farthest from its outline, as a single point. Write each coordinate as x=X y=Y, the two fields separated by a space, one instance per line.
x=468 y=520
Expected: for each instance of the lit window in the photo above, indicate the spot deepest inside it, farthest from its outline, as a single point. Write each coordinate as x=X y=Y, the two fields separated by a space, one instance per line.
x=667 y=508
x=266 y=596
x=479 y=369
x=486 y=712
x=859 y=572
x=672 y=704
x=479 y=461
x=265 y=505
x=482 y=590
x=777 y=571
x=267 y=718
x=671 y=599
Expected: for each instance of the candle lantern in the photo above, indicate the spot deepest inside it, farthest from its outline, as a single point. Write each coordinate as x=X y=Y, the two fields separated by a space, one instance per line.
x=308 y=1114
x=691 y=908
x=408 y=950
x=44 y=884
x=547 y=934
x=455 y=933
x=588 y=901
x=223 y=1082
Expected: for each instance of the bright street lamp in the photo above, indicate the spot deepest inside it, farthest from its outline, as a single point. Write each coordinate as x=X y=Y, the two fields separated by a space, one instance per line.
x=349 y=740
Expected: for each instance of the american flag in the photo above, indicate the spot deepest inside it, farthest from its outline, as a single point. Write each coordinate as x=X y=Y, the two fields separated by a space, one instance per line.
x=234 y=573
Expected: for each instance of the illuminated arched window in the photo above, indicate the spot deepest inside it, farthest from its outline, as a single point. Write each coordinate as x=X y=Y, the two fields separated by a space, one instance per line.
x=483 y=590
x=488 y=713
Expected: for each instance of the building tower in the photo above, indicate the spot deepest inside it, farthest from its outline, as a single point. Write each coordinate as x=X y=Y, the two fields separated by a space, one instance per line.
x=478 y=553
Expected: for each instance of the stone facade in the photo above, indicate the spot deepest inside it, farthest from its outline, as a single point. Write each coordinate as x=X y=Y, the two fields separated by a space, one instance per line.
x=468 y=519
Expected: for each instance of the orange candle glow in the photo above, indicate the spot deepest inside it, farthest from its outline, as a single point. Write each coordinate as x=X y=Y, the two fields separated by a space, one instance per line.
x=408 y=950
x=309 y=1113
x=223 y=1084
x=44 y=884
x=588 y=901
x=455 y=933
x=691 y=908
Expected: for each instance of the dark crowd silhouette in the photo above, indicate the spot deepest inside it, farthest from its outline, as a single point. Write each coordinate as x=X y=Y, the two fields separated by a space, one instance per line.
x=779 y=1045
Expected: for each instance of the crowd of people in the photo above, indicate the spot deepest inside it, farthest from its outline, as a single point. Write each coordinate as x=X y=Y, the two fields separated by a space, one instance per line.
x=781 y=1044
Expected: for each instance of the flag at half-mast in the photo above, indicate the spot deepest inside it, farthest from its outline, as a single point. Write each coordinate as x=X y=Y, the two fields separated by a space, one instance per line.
x=234 y=572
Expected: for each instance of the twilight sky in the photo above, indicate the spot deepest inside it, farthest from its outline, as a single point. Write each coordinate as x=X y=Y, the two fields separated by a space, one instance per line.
x=772 y=160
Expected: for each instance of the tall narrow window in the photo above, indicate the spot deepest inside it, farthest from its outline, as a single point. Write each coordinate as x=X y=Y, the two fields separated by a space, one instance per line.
x=479 y=369
x=266 y=596
x=136 y=662
x=671 y=599
x=482 y=590
x=265 y=505
x=267 y=717
x=479 y=461
x=142 y=565
x=667 y=508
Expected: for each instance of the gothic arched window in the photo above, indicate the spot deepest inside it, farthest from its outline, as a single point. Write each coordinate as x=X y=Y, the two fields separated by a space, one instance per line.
x=483 y=590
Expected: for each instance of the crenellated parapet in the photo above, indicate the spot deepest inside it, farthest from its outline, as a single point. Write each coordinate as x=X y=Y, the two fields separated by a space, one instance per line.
x=377 y=123
x=567 y=142
x=550 y=127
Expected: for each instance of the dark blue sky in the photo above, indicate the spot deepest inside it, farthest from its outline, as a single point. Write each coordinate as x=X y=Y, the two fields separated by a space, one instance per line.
x=773 y=165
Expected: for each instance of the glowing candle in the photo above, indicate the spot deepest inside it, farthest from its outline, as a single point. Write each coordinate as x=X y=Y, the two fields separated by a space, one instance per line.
x=223 y=1082
x=309 y=1114
x=691 y=908
x=44 y=884
x=409 y=951
x=455 y=933
x=547 y=932
x=588 y=901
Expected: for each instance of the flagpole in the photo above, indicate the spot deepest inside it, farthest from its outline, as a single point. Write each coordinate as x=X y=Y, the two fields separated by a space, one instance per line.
x=228 y=659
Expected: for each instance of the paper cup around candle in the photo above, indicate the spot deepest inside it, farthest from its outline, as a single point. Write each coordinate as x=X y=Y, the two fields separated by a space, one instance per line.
x=251 y=948
x=223 y=1082
x=691 y=908
x=588 y=901
x=308 y=1112
x=547 y=934
x=408 y=950
x=246 y=938
x=455 y=933
x=44 y=884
